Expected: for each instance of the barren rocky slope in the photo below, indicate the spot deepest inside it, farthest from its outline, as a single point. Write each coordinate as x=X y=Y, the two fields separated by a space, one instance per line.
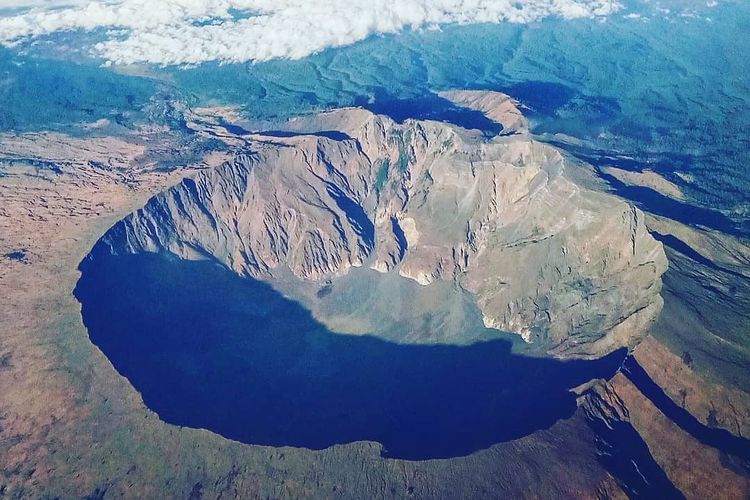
x=572 y=271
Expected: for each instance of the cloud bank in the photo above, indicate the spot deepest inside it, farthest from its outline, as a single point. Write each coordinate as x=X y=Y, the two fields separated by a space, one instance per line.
x=179 y=32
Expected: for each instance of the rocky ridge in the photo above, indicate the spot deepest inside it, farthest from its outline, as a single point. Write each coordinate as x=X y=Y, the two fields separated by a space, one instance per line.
x=574 y=272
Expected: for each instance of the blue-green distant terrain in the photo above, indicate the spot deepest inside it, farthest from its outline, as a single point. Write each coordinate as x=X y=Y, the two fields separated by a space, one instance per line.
x=629 y=90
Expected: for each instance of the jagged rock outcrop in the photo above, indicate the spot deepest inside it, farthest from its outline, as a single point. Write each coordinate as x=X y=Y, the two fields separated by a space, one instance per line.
x=498 y=107
x=571 y=270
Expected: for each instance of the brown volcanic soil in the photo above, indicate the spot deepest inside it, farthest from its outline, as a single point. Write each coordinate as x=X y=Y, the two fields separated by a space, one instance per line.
x=698 y=471
x=713 y=404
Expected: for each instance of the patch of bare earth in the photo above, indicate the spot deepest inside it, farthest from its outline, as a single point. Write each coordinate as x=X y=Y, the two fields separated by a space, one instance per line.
x=697 y=470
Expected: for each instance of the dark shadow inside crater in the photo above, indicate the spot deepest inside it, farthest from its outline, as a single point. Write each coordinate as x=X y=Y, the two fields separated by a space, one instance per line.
x=208 y=349
x=428 y=106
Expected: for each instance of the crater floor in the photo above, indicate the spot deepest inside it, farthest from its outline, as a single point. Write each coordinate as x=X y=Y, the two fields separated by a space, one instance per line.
x=209 y=349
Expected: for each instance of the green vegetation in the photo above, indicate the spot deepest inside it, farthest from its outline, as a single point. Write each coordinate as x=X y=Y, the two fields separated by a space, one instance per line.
x=382 y=176
x=40 y=94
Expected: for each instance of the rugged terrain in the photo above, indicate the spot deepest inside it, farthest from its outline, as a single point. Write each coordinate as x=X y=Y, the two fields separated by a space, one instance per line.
x=574 y=272
x=70 y=426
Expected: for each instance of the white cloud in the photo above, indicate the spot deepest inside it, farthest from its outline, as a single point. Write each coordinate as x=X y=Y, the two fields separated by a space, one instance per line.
x=194 y=31
x=27 y=4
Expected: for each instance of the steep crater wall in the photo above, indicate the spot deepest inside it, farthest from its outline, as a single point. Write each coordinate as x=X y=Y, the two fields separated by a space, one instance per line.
x=574 y=272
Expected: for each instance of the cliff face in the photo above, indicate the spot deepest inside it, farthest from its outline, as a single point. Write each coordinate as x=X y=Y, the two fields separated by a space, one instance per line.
x=570 y=270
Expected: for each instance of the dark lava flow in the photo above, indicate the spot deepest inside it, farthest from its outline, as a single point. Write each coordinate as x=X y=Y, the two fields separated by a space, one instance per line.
x=208 y=349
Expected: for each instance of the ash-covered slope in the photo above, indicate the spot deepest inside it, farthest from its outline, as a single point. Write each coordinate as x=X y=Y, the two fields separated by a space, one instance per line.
x=572 y=271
